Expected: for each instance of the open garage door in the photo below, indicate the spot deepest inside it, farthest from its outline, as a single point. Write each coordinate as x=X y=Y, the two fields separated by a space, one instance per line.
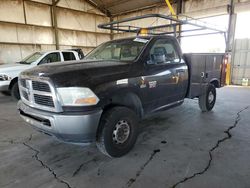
x=241 y=50
x=241 y=61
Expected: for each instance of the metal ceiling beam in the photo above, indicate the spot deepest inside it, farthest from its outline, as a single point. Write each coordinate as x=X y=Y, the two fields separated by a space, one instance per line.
x=138 y=9
x=120 y=2
x=56 y=2
x=115 y=3
x=99 y=7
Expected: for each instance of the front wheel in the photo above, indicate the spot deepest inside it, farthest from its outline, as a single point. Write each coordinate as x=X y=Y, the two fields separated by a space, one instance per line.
x=117 y=132
x=208 y=99
x=15 y=92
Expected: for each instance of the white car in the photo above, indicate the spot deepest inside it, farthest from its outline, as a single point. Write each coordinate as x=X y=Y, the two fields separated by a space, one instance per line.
x=9 y=72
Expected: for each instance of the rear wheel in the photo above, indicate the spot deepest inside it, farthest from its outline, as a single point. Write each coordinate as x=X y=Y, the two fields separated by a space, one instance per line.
x=117 y=132
x=15 y=92
x=208 y=99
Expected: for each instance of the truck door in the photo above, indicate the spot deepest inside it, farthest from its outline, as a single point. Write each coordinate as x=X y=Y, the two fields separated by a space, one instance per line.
x=165 y=75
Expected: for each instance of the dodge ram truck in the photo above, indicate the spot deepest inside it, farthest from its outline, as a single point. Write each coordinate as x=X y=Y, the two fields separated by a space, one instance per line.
x=103 y=97
x=9 y=72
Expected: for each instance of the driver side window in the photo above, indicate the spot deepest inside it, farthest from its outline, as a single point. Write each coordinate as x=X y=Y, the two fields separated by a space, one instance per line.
x=163 y=52
x=50 y=58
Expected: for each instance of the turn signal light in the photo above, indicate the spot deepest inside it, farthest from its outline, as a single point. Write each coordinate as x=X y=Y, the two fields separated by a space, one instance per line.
x=89 y=101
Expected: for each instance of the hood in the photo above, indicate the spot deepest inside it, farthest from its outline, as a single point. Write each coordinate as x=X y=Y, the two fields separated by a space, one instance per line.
x=81 y=73
x=9 y=68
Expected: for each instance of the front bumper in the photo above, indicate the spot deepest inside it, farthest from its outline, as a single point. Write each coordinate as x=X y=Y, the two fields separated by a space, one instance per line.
x=4 y=85
x=68 y=127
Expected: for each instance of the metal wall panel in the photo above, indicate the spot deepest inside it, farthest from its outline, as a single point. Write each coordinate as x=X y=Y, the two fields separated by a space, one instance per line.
x=77 y=27
x=241 y=61
x=38 y=14
x=15 y=33
x=13 y=52
x=11 y=11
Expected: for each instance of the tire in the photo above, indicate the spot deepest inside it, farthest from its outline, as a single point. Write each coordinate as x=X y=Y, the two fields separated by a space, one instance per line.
x=208 y=99
x=5 y=93
x=116 y=121
x=15 y=92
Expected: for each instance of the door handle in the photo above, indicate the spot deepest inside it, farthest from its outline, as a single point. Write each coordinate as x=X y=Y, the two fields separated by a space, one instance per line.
x=202 y=74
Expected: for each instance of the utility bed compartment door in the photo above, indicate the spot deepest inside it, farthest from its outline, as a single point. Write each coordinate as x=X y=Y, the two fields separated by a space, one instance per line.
x=203 y=68
x=213 y=66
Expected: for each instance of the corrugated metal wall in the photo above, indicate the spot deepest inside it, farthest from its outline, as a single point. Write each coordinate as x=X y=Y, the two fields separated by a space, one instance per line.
x=26 y=26
x=241 y=61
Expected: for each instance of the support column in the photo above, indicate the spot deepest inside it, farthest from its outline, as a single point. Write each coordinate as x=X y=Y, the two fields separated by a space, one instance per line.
x=111 y=30
x=231 y=27
x=179 y=6
x=179 y=11
x=24 y=12
x=54 y=21
x=230 y=40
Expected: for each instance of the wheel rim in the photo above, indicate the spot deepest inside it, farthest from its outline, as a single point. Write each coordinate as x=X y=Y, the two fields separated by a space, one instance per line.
x=210 y=97
x=121 y=132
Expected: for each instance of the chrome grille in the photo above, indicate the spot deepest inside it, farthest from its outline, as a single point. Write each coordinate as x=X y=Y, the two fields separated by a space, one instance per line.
x=38 y=94
x=44 y=100
x=40 y=86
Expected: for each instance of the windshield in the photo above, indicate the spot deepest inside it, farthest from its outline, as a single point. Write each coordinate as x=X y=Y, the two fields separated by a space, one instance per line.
x=31 y=58
x=121 y=50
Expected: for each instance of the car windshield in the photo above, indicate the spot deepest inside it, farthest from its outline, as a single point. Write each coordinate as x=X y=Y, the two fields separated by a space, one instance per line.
x=121 y=50
x=31 y=58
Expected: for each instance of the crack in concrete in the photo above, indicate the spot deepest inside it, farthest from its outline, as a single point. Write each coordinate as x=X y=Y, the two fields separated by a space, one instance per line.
x=46 y=166
x=37 y=158
x=227 y=137
x=133 y=180
x=81 y=165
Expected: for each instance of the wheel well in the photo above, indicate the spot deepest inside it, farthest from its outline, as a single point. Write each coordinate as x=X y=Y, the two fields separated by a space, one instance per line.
x=129 y=100
x=13 y=81
x=215 y=83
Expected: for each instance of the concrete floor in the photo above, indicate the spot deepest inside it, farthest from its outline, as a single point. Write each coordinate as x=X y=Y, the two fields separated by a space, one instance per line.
x=181 y=147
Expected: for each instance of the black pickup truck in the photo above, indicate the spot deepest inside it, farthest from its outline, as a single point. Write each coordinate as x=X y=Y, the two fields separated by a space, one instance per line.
x=101 y=98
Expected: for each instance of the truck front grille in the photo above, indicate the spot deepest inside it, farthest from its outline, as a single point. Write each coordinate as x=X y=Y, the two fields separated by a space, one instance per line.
x=40 y=86
x=38 y=94
x=44 y=100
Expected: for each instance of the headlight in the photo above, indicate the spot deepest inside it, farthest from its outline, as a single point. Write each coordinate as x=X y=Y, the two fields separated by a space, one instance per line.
x=4 y=77
x=77 y=96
